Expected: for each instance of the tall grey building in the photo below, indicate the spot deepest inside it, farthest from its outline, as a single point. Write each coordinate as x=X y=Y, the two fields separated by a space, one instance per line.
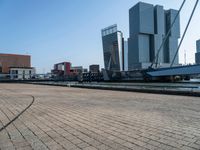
x=125 y=55
x=113 y=48
x=148 y=26
x=197 y=55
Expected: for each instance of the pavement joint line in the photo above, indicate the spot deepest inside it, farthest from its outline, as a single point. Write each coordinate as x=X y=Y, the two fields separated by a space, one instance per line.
x=17 y=116
x=76 y=118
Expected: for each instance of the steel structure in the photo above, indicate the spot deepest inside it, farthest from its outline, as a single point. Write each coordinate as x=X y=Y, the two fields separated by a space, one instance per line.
x=175 y=71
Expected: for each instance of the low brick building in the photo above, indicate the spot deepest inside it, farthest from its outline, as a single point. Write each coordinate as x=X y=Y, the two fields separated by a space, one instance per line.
x=13 y=60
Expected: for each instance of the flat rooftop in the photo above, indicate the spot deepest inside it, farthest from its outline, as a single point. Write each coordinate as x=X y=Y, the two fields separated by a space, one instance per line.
x=75 y=119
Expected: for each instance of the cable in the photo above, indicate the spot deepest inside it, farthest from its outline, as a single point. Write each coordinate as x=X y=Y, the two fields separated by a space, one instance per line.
x=195 y=6
x=11 y=121
x=166 y=37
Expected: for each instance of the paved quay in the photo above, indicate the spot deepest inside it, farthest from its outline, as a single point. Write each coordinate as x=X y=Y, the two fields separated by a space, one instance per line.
x=87 y=119
x=183 y=89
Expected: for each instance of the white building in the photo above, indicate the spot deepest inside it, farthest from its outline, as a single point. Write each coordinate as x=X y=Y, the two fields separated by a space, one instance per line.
x=22 y=73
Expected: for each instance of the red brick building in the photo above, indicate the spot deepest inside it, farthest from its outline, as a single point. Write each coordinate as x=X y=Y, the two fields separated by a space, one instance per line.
x=13 y=60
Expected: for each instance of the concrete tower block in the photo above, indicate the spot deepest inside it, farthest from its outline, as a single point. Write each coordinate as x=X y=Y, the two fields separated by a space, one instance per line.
x=159 y=20
x=197 y=58
x=173 y=44
x=144 y=48
x=125 y=55
x=133 y=53
x=197 y=55
x=141 y=19
x=198 y=45
x=156 y=41
x=170 y=16
x=139 y=50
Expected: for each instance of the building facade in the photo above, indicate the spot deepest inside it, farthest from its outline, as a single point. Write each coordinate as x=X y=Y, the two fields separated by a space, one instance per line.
x=13 y=60
x=65 y=70
x=125 y=55
x=197 y=55
x=94 y=68
x=148 y=26
x=113 y=48
x=22 y=73
x=62 y=69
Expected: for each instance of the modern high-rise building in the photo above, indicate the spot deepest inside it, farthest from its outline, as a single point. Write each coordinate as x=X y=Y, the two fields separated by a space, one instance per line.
x=148 y=26
x=125 y=55
x=113 y=48
x=197 y=55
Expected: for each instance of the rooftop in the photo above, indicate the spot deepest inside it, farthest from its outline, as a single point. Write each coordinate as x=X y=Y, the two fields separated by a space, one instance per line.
x=3 y=54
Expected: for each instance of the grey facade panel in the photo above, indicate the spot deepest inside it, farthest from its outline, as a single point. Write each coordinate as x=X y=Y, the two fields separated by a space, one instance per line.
x=144 y=48
x=138 y=50
x=134 y=21
x=126 y=55
x=159 y=17
x=156 y=41
x=133 y=53
x=198 y=45
x=141 y=19
x=170 y=16
x=173 y=44
x=197 y=58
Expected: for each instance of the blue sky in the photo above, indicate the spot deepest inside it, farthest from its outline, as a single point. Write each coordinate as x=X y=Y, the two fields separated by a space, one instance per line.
x=53 y=31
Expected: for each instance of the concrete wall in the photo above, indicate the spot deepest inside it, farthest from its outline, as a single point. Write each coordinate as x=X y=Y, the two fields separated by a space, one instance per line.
x=170 y=16
x=141 y=19
x=197 y=58
x=133 y=52
x=197 y=55
x=159 y=16
x=13 y=60
x=198 y=45
x=156 y=41
x=144 y=48
x=125 y=55
x=173 y=44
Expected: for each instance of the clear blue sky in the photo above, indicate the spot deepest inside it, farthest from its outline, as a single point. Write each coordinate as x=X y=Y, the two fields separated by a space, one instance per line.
x=52 y=31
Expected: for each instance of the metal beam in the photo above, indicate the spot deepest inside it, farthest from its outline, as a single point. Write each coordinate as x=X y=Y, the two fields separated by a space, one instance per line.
x=173 y=71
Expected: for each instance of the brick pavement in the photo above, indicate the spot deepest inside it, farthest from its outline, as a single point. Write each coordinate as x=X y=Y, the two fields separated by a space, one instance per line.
x=75 y=119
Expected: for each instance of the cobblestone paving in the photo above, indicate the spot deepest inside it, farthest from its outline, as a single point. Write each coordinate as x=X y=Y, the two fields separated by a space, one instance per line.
x=75 y=119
